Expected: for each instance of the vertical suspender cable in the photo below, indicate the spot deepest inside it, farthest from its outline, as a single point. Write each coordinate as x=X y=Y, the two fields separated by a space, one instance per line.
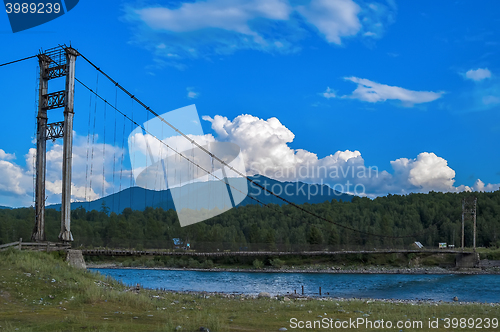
x=104 y=154
x=114 y=151
x=93 y=137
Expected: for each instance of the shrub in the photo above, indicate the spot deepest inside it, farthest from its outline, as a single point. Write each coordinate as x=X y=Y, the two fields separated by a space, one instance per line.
x=277 y=263
x=258 y=264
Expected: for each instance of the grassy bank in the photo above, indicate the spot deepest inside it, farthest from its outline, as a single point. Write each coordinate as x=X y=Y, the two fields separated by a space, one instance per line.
x=40 y=292
x=396 y=260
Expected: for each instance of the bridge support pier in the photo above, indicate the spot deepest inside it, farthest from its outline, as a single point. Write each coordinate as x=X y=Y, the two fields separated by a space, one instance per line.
x=467 y=260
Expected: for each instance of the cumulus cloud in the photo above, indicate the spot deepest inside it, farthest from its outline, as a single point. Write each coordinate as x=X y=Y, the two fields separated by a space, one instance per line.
x=264 y=147
x=266 y=150
x=374 y=92
x=87 y=183
x=478 y=74
x=6 y=156
x=194 y=28
x=425 y=173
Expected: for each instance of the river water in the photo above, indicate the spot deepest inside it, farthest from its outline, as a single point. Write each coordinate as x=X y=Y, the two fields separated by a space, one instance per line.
x=470 y=288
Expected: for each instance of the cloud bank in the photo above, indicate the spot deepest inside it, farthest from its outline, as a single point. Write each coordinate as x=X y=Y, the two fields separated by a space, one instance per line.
x=199 y=28
x=265 y=148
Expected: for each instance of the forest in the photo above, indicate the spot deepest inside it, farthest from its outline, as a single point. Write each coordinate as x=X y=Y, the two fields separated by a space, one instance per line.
x=392 y=221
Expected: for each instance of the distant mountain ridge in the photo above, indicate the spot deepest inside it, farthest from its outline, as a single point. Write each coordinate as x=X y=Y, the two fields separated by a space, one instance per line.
x=138 y=198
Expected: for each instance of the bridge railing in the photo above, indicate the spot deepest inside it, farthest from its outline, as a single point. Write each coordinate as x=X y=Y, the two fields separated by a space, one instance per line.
x=41 y=246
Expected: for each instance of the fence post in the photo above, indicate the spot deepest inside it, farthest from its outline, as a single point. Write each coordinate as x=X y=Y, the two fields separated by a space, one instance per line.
x=302 y=289
x=319 y=290
x=20 y=241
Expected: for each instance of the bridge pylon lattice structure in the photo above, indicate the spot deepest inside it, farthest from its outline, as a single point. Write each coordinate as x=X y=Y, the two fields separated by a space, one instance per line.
x=469 y=207
x=55 y=63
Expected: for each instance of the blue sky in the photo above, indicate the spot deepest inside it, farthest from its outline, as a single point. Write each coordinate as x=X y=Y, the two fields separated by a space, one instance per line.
x=409 y=88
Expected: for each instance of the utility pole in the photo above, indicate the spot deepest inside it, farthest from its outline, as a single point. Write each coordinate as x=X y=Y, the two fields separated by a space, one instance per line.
x=55 y=63
x=469 y=206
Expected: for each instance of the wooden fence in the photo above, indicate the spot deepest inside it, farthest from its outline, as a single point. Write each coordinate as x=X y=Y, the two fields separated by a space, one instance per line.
x=40 y=246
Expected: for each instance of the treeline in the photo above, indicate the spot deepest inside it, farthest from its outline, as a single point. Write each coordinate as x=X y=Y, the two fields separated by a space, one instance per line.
x=427 y=218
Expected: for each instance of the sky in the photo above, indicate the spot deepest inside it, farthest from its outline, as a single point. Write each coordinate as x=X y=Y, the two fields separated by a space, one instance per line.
x=369 y=97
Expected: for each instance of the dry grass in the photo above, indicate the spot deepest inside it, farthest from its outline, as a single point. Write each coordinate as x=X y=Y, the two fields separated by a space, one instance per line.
x=39 y=292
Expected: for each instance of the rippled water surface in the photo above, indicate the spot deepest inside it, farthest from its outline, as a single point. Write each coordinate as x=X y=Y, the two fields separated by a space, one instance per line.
x=478 y=288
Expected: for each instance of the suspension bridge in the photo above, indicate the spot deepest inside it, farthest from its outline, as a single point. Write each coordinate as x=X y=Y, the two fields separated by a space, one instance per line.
x=59 y=63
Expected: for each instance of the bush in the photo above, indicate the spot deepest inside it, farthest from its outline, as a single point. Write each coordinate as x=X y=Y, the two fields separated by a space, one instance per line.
x=258 y=264
x=277 y=263
x=208 y=264
x=193 y=263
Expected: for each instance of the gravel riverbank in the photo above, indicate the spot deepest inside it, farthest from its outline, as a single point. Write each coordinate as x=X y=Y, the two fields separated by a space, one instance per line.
x=342 y=270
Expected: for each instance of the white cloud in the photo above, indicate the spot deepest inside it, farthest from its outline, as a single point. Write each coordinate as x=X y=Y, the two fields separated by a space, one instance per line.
x=194 y=29
x=478 y=74
x=334 y=19
x=265 y=147
x=6 y=156
x=329 y=93
x=191 y=94
x=373 y=92
x=87 y=183
x=425 y=173
x=228 y=15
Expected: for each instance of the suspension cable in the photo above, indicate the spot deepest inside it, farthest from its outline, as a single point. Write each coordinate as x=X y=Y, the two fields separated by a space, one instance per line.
x=11 y=62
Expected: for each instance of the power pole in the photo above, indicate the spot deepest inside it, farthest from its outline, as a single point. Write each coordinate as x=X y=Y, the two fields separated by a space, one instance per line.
x=55 y=63
x=469 y=206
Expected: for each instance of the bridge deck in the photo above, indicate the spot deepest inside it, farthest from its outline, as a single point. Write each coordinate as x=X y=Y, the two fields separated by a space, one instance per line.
x=119 y=252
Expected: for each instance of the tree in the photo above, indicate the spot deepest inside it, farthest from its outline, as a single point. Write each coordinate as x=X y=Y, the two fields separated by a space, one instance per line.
x=315 y=237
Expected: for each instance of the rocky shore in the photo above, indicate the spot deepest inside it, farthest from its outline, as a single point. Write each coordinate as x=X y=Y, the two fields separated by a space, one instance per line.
x=296 y=297
x=342 y=270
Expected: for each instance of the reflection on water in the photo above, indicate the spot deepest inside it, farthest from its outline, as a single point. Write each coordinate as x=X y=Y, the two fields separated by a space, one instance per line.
x=477 y=288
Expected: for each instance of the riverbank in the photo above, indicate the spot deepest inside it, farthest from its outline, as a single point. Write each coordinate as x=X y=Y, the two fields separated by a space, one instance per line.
x=333 y=270
x=40 y=292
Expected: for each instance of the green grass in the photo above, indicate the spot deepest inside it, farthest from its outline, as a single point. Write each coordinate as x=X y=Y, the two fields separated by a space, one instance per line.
x=297 y=261
x=489 y=253
x=40 y=292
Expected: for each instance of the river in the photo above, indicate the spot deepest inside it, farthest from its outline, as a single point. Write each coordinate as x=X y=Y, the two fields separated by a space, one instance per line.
x=470 y=288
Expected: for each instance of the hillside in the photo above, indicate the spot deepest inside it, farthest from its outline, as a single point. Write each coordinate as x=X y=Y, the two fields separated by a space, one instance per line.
x=139 y=199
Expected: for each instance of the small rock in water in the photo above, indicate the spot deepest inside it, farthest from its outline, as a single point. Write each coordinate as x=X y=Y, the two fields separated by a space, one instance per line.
x=264 y=294
x=455 y=298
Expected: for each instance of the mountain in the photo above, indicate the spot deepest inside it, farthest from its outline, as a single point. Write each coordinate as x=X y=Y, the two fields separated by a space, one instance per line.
x=138 y=198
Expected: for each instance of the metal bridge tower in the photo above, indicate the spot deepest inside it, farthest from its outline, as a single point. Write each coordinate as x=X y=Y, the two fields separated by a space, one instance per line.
x=469 y=207
x=55 y=63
